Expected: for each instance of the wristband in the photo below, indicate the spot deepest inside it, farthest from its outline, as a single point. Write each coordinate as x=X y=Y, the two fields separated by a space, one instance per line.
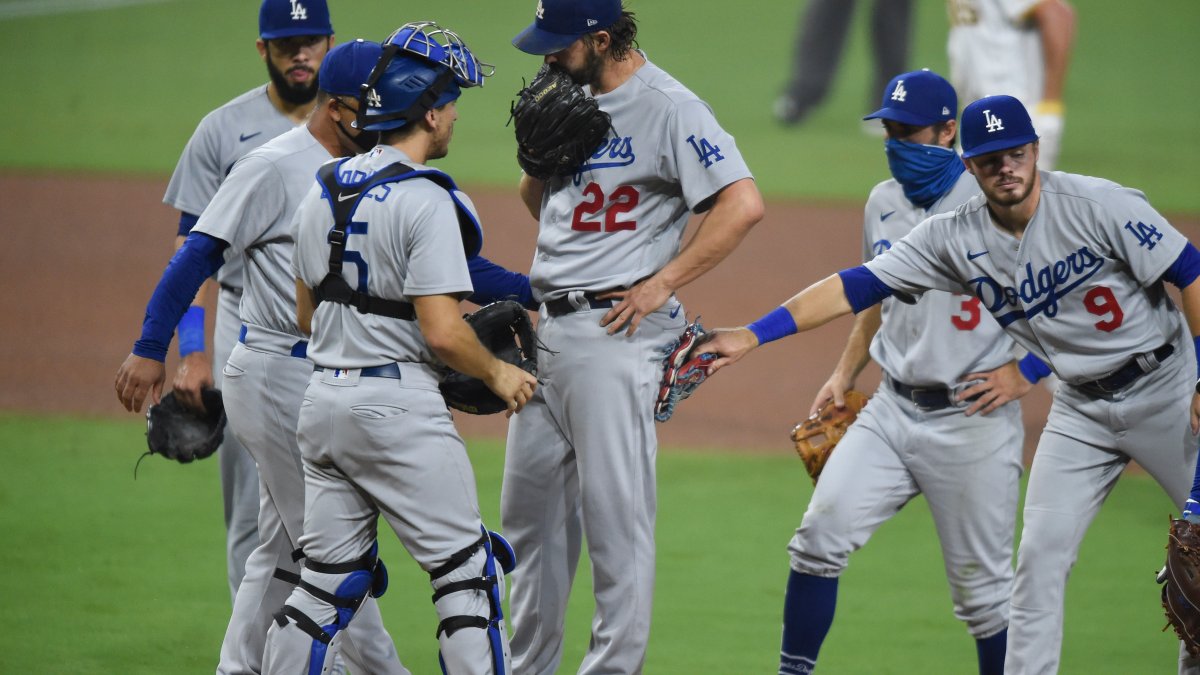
x=191 y=331
x=1033 y=368
x=776 y=324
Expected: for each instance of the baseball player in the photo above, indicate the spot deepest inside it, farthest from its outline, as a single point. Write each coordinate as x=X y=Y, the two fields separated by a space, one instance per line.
x=918 y=435
x=267 y=371
x=293 y=38
x=1072 y=267
x=382 y=245
x=581 y=457
x=1035 y=37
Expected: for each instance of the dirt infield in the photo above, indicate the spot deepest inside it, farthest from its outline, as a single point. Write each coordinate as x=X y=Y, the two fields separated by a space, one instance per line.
x=82 y=254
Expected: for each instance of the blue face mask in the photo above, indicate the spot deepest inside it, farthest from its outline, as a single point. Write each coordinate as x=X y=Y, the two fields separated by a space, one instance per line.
x=926 y=172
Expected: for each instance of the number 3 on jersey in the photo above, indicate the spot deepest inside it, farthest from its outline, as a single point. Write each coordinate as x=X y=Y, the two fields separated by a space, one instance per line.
x=620 y=201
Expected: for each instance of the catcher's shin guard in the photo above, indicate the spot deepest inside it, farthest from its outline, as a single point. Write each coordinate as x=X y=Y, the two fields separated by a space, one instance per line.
x=468 y=592
x=322 y=614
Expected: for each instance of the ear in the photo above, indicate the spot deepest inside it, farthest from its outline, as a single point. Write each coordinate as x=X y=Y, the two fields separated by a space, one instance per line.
x=948 y=133
x=261 y=44
x=601 y=40
x=967 y=163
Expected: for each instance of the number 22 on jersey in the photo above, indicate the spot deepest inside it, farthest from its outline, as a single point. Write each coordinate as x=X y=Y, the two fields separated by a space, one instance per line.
x=620 y=201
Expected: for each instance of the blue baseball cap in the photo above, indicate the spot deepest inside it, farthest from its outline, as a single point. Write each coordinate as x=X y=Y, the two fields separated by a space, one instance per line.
x=289 y=18
x=347 y=66
x=558 y=23
x=995 y=123
x=921 y=98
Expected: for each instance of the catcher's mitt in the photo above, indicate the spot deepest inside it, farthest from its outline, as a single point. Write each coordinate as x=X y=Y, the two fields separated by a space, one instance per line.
x=816 y=436
x=505 y=329
x=177 y=432
x=1181 y=583
x=558 y=126
x=682 y=373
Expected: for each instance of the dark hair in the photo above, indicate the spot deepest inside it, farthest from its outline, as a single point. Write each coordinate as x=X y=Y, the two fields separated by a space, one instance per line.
x=623 y=33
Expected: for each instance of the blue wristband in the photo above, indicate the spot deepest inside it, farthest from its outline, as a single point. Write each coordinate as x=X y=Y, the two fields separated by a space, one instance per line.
x=191 y=331
x=776 y=324
x=1033 y=368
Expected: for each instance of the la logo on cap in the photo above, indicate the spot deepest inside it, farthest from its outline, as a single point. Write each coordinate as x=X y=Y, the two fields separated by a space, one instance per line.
x=373 y=99
x=541 y=11
x=299 y=13
x=900 y=92
x=994 y=123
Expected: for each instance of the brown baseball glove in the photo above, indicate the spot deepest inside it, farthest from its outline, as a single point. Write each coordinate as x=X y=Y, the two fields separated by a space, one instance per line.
x=1181 y=583
x=816 y=436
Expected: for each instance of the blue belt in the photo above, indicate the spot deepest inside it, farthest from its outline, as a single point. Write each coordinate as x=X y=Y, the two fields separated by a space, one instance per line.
x=390 y=371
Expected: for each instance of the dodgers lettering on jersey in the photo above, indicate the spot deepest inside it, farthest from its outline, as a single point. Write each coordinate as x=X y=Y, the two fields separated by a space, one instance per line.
x=405 y=241
x=253 y=211
x=944 y=335
x=994 y=49
x=622 y=216
x=223 y=137
x=1082 y=289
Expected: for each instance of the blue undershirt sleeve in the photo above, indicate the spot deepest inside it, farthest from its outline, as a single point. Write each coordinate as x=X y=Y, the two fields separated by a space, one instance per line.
x=186 y=222
x=863 y=289
x=1033 y=368
x=200 y=256
x=1185 y=269
x=493 y=282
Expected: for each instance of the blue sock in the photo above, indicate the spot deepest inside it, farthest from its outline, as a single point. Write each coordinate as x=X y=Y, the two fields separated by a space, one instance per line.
x=807 y=616
x=991 y=653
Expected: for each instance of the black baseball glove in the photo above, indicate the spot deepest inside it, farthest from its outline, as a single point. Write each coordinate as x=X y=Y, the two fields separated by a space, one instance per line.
x=505 y=329
x=558 y=126
x=177 y=432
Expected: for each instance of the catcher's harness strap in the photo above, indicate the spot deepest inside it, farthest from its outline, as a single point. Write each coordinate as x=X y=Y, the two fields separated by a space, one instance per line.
x=343 y=201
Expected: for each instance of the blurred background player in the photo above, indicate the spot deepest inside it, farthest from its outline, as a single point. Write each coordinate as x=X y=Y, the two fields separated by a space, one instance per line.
x=817 y=53
x=294 y=36
x=375 y=435
x=1019 y=48
x=580 y=460
x=267 y=372
x=924 y=432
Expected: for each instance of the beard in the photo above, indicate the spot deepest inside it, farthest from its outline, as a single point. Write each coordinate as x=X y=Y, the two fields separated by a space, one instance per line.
x=1010 y=196
x=295 y=94
x=589 y=73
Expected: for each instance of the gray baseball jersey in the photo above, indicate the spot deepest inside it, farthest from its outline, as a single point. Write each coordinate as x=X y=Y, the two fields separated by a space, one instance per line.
x=944 y=335
x=411 y=230
x=264 y=382
x=586 y=442
x=385 y=445
x=223 y=137
x=253 y=214
x=1082 y=289
x=622 y=216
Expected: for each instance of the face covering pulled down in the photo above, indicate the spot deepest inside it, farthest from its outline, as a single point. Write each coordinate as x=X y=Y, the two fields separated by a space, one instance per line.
x=926 y=172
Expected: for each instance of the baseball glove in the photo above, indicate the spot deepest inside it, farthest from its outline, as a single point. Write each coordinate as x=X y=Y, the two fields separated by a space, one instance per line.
x=1181 y=583
x=558 y=126
x=682 y=373
x=505 y=329
x=177 y=432
x=816 y=436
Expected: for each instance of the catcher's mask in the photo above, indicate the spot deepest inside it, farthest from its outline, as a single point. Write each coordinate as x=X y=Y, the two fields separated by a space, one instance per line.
x=423 y=66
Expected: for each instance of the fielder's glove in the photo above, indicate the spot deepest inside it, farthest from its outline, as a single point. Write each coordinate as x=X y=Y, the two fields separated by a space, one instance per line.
x=558 y=126
x=177 y=432
x=1181 y=583
x=682 y=373
x=505 y=329
x=816 y=437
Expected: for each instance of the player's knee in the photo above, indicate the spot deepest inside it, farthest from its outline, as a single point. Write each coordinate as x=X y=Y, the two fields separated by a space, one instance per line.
x=326 y=599
x=468 y=595
x=819 y=548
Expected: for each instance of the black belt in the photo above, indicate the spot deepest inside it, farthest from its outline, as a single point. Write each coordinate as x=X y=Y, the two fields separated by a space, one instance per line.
x=928 y=399
x=390 y=371
x=228 y=288
x=1127 y=374
x=563 y=305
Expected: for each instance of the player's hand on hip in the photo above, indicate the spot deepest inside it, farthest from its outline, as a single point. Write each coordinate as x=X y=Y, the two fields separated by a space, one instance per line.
x=729 y=344
x=834 y=389
x=513 y=385
x=1195 y=414
x=137 y=378
x=994 y=388
x=644 y=297
x=192 y=377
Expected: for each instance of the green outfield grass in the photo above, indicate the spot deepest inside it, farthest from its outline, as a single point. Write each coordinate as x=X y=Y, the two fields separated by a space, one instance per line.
x=122 y=89
x=105 y=574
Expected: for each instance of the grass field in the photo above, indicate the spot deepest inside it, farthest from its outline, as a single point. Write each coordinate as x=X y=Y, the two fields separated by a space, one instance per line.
x=122 y=89
x=106 y=574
